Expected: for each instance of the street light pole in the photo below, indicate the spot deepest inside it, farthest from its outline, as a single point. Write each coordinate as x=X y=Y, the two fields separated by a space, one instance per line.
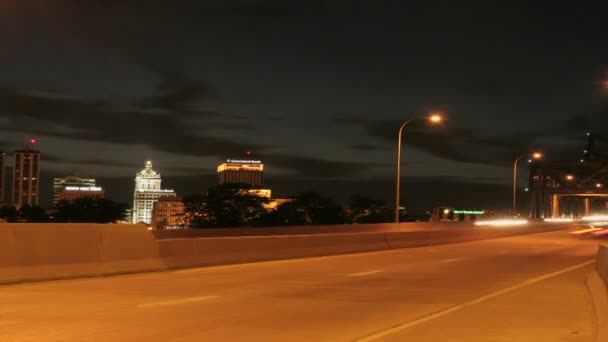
x=398 y=184
x=535 y=155
x=434 y=118
x=515 y=183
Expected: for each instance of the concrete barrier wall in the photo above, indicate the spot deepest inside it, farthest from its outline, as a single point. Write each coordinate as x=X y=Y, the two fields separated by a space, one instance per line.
x=306 y=230
x=190 y=252
x=602 y=263
x=30 y=252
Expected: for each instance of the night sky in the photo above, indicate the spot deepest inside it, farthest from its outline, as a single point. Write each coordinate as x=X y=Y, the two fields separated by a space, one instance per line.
x=316 y=89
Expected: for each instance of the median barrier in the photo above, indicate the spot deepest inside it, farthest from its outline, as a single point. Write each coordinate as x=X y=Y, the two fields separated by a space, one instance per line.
x=188 y=252
x=33 y=252
x=305 y=230
x=128 y=248
x=208 y=251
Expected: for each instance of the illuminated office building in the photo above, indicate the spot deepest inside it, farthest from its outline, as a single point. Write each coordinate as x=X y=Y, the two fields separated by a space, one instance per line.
x=147 y=192
x=241 y=171
x=72 y=187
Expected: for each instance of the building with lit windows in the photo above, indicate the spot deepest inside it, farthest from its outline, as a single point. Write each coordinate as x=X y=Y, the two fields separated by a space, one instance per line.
x=241 y=171
x=26 y=177
x=72 y=187
x=147 y=192
x=71 y=193
x=168 y=213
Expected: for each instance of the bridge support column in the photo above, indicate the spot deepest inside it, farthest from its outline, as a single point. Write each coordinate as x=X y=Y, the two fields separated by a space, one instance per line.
x=555 y=210
x=587 y=206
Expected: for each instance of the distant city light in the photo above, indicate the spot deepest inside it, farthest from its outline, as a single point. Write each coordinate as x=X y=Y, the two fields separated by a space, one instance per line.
x=501 y=223
x=33 y=141
x=569 y=177
x=470 y=212
x=599 y=185
x=446 y=211
x=594 y=218
x=558 y=219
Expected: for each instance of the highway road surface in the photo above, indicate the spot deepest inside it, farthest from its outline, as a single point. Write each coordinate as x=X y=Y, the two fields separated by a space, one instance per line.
x=522 y=288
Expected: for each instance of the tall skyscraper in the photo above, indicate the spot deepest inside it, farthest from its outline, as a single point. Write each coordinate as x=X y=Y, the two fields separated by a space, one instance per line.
x=147 y=191
x=241 y=171
x=26 y=177
x=2 y=175
x=72 y=187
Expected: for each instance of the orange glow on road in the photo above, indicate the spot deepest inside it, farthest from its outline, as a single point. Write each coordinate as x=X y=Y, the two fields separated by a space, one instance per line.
x=583 y=231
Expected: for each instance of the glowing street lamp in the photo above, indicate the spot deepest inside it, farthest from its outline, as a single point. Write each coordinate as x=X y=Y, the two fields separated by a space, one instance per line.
x=569 y=177
x=434 y=118
x=534 y=155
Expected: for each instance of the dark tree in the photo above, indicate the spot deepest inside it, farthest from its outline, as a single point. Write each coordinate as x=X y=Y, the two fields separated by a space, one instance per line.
x=229 y=205
x=307 y=209
x=32 y=214
x=89 y=210
x=9 y=213
x=367 y=210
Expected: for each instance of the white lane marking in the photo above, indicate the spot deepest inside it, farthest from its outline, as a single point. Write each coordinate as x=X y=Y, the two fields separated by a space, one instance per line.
x=364 y=273
x=398 y=328
x=451 y=260
x=175 y=302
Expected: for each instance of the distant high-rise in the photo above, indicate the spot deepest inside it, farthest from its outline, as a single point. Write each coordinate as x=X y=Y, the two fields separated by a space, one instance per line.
x=147 y=191
x=26 y=177
x=72 y=187
x=241 y=171
x=2 y=175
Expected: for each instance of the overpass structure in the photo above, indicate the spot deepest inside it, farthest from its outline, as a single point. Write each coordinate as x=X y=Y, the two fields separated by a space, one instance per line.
x=571 y=189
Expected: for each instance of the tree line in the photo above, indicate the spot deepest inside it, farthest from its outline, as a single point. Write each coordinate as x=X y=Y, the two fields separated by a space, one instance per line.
x=223 y=206
x=81 y=210
x=231 y=206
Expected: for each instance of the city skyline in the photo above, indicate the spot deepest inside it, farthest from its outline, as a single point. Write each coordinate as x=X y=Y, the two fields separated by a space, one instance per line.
x=321 y=104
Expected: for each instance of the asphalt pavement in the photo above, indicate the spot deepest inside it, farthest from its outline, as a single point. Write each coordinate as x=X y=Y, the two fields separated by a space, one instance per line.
x=522 y=288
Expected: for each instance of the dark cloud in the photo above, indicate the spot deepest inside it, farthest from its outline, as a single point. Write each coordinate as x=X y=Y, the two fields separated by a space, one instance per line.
x=316 y=168
x=178 y=93
x=457 y=143
x=273 y=10
x=365 y=147
x=273 y=118
x=163 y=127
